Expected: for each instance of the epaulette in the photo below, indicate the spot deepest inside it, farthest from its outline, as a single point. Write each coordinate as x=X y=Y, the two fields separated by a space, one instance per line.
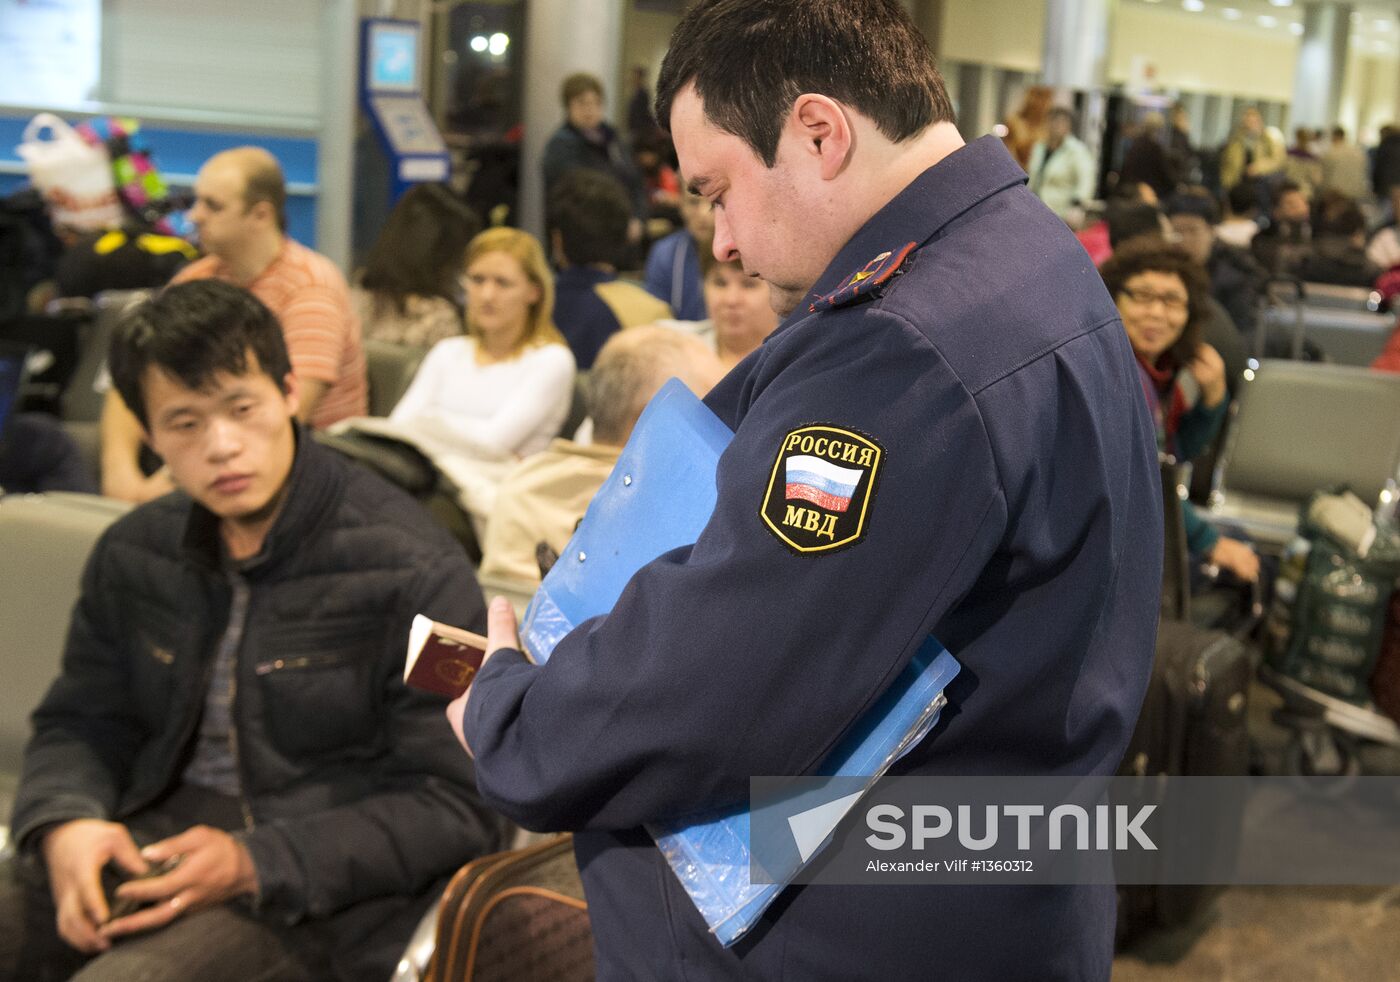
x=866 y=282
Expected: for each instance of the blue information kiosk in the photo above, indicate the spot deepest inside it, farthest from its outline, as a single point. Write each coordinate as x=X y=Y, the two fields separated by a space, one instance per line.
x=391 y=94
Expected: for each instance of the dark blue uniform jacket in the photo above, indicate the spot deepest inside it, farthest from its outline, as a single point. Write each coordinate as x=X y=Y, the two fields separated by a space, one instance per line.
x=1012 y=510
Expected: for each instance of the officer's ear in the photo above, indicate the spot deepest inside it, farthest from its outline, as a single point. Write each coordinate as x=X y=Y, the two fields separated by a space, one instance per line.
x=823 y=130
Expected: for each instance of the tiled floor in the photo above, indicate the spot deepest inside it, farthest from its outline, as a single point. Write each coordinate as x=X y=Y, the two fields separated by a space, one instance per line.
x=1281 y=934
x=1278 y=934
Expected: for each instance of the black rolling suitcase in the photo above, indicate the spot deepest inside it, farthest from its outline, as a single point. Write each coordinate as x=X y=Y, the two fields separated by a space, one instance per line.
x=1193 y=719
x=1192 y=723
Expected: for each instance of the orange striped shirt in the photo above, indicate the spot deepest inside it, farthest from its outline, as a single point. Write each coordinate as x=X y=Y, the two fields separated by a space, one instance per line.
x=312 y=301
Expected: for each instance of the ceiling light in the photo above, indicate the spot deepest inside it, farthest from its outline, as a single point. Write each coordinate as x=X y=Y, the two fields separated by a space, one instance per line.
x=1230 y=13
x=1266 y=21
x=1296 y=28
x=1195 y=6
x=1281 y=3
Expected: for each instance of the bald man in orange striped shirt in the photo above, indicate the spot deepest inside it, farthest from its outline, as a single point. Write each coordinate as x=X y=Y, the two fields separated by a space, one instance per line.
x=240 y=212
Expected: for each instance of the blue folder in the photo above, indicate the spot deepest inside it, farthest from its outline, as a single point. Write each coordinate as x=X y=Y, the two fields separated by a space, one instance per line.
x=659 y=497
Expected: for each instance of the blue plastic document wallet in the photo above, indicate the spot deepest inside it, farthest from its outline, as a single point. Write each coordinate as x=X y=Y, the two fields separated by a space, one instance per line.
x=639 y=514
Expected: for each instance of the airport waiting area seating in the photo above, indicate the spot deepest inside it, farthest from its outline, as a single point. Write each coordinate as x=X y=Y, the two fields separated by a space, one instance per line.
x=391 y=368
x=1345 y=324
x=45 y=540
x=1298 y=427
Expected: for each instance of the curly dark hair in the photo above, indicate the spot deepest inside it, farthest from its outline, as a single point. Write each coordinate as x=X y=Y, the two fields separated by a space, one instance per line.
x=1153 y=255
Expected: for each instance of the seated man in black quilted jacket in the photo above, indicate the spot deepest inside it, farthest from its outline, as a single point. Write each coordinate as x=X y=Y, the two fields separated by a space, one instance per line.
x=231 y=697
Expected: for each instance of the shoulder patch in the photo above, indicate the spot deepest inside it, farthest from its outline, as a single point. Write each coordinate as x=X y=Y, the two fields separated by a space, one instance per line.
x=821 y=488
x=865 y=282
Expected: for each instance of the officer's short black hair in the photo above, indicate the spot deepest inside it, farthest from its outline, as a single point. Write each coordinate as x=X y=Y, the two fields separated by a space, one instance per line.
x=590 y=211
x=750 y=59
x=194 y=331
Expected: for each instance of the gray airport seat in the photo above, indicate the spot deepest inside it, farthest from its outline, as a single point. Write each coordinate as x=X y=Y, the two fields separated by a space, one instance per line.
x=391 y=368
x=1345 y=322
x=44 y=544
x=81 y=404
x=82 y=400
x=1342 y=297
x=1298 y=427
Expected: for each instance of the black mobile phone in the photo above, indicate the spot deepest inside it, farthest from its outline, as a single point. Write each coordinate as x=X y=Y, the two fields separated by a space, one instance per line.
x=114 y=876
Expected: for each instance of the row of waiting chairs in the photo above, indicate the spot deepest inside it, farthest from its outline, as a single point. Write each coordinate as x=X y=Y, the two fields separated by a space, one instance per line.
x=1298 y=427
x=1345 y=324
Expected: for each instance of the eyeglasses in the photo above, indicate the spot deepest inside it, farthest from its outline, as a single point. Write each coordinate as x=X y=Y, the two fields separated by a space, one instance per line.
x=1174 y=302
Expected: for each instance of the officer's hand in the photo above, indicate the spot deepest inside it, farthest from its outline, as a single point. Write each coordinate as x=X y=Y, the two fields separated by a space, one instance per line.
x=214 y=867
x=500 y=633
x=1209 y=369
x=1236 y=556
x=75 y=853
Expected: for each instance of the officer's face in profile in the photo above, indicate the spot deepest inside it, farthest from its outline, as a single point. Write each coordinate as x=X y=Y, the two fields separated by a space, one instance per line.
x=762 y=219
x=229 y=445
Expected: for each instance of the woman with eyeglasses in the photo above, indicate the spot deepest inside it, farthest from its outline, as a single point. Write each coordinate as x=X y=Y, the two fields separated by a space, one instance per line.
x=1162 y=295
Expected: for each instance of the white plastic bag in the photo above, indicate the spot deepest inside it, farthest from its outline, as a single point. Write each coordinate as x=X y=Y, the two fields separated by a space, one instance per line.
x=74 y=177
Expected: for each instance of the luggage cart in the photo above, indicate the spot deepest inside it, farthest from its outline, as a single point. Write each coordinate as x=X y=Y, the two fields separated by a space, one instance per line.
x=1327 y=732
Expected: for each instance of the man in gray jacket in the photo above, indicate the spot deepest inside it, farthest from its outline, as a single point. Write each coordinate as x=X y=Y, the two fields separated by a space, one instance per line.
x=229 y=779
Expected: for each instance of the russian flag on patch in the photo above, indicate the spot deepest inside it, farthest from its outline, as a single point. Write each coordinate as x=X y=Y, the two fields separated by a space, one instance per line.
x=821 y=482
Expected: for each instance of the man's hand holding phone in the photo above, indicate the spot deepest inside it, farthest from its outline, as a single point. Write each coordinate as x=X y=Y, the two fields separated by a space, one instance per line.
x=201 y=867
x=75 y=854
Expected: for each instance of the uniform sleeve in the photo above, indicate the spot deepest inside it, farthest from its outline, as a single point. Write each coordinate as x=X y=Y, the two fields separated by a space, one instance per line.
x=425 y=818
x=739 y=655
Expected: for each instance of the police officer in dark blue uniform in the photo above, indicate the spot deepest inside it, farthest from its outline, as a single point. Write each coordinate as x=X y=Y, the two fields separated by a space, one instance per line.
x=954 y=366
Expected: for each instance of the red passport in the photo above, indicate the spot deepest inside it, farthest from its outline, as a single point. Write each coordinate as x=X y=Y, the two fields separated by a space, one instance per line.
x=442 y=658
